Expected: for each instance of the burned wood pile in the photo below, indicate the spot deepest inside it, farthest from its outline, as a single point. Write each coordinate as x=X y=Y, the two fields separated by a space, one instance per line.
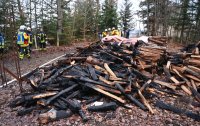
x=117 y=75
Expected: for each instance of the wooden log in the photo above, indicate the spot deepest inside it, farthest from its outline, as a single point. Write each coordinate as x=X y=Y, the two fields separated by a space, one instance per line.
x=114 y=91
x=44 y=95
x=193 y=84
x=169 y=76
x=195 y=94
x=141 y=64
x=165 y=84
x=190 y=71
x=194 y=62
x=181 y=76
x=115 y=79
x=105 y=81
x=53 y=115
x=100 y=69
x=130 y=97
x=60 y=93
x=149 y=54
x=109 y=70
x=58 y=73
x=112 y=106
x=194 y=68
x=92 y=72
x=95 y=82
x=156 y=41
x=186 y=89
x=75 y=107
x=142 y=67
x=151 y=50
x=110 y=53
x=140 y=75
x=192 y=77
x=174 y=109
x=25 y=111
x=105 y=93
x=141 y=89
x=145 y=102
x=155 y=48
x=93 y=61
x=196 y=51
x=195 y=56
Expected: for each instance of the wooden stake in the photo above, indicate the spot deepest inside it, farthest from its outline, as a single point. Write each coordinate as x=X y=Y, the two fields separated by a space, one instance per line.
x=145 y=102
x=186 y=90
x=109 y=70
x=105 y=93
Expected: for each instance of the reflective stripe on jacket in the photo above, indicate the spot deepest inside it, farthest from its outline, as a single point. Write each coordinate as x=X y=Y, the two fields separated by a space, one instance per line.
x=22 y=39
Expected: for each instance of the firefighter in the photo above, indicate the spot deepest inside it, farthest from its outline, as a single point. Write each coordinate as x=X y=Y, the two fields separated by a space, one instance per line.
x=42 y=39
x=30 y=40
x=105 y=33
x=22 y=42
x=2 y=43
x=109 y=31
x=115 y=31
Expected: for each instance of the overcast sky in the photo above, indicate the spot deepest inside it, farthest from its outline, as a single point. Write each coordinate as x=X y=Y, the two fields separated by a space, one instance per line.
x=135 y=8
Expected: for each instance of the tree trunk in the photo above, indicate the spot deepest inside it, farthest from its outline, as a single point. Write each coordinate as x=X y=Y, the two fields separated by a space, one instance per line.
x=148 y=28
x=97 y=17
x=35 y=7
x=21 y=13
x=59 y=20
x=30 y=14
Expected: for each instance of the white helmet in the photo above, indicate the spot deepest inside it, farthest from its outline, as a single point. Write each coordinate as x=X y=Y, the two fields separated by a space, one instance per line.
x=106 y=30
x=109 y=29
x=22 y=27
x=113 y=28
x=29 y=29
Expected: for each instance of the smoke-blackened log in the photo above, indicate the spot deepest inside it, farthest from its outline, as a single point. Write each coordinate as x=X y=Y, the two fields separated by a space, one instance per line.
x=53 y=115
x=26 y=110
x=172 y=108
x=112 y=106
x=75 y=107
x=61 y=93
x=130 y=97
x=92 y=72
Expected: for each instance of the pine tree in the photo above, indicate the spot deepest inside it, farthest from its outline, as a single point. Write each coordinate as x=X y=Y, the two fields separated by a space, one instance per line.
x=126 y=15
x=109 y=17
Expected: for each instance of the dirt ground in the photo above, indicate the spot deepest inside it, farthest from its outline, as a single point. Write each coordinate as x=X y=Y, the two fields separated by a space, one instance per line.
x=120 y=117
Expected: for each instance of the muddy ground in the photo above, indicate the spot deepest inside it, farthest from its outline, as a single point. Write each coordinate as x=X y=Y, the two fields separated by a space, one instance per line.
x=120 y=117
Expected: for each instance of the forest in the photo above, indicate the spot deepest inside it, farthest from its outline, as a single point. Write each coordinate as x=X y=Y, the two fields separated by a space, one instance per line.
x=66 y=21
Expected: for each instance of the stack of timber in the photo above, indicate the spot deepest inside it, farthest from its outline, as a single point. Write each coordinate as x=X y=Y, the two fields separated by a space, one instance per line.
x=116 y=75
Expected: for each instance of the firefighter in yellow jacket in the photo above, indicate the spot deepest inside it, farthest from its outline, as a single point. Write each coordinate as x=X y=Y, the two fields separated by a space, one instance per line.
x=22 y=42
x=105 y=33
x=115 y=32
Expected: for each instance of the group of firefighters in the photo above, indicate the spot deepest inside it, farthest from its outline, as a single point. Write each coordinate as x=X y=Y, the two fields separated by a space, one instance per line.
x=109 y=32
x=24 y=41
